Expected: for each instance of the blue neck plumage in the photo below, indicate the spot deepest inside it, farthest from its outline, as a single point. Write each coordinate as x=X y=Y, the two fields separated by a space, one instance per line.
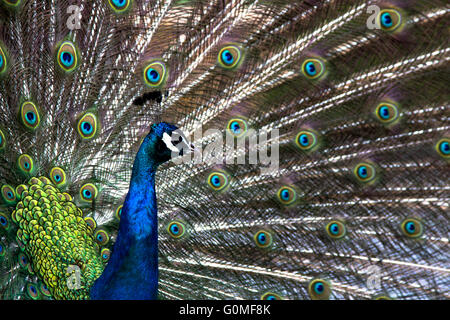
x=132 y=270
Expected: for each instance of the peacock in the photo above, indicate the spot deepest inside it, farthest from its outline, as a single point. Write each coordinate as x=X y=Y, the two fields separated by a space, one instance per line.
x=232 y=149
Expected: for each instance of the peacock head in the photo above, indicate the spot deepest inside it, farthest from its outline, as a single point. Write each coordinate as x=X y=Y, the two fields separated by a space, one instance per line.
x=165 y=141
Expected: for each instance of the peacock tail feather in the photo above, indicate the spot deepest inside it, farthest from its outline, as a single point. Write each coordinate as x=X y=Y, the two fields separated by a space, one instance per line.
x=344 y=104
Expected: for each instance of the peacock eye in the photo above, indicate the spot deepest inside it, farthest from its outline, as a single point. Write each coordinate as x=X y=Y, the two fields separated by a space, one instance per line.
x=229 y=57
x=3 y=61
x=32 y=291
x=313 y=68
x=12 y=3
x=101 y=237
x=389 y=19
x=271 y=296
x=237 y=127
x=263 y=239
x=336 y=229
x=2 y=140
x=8 y=194
x=386 y=112
x=319 y=289
x=2 y=249
x=176 y=229
x=120 y=6
x=365 y=172
x=217 y=181
x=287 y=195
x=154 y=74
x=118 y=213
x=87 y=126
x=4 y=221
x=29 y=115
x=25 y=163
x=67 y=56
x=88 y=192
x=23 y=261
x=383 y=297
x=306 y=140
x=58 y=176
x=91 y=222
x=44 y=289
x=443 y=147
x=412 y=228
x=105 y=254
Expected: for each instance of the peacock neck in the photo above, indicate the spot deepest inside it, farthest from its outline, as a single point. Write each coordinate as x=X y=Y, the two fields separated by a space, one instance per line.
x=132 y=271
x=140 y=208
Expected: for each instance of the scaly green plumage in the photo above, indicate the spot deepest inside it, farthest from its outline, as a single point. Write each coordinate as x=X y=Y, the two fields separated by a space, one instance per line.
x=52 y=230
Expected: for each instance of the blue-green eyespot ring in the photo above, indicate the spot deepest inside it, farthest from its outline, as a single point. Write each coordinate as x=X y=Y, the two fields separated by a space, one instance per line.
x=389 y=19
x=319 y=289
x=313 y=68
x=67 y=56
x=412 y=228
x=229 y=57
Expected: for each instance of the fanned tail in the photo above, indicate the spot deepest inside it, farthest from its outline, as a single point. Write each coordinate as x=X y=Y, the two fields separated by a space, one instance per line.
x=334 y=180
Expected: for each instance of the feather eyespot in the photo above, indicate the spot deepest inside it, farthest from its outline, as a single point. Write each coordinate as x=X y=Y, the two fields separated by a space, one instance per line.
x=44 y=289
x=229 y=57
x=389 y=19
x=237 y=127
x=23 y=261
x=382 y=297
x=176 y=229
x=336 y=229
x=2 y=140
x=4 y=221
x=319 y=289
x=25 y=163
x=218 y=181
x=313 y=68
x=306 y=140
x=365 y=172
x=386 y=112
x=3 y=61
x=87 y=126
x=2 y=249
x=32 y=291
x=30 y=115
x=120 y=6
x=105 y=254
x=443 y=147
x=101 y=237
x=287 y=195
x=8 y=194
x=67 y=56
x=155 y=74
x=118 y=213
x=412 y=228
x=12 y=3
x=91 y=223
x=88 y=192
x=58 y=176
x=271 y=296
x=263 y=239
